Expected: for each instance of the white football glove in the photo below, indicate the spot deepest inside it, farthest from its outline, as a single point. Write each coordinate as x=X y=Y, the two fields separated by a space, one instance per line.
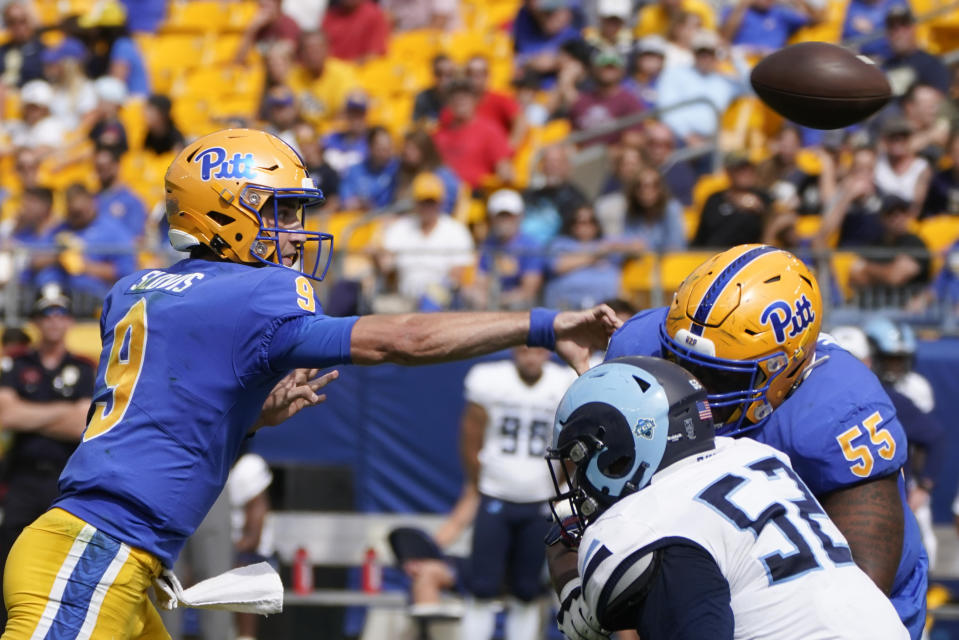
x=575 y=619
x=167 y=586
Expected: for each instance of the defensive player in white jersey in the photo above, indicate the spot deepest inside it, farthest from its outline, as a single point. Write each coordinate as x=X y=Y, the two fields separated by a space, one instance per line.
x=685 y=535
x=505 y=433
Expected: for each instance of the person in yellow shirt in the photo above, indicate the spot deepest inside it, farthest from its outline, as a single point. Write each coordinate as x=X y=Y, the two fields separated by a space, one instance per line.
x=655 y=18
x=320 y=81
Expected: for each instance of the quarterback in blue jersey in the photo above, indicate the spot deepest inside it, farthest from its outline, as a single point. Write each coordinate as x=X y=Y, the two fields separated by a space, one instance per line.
x=746 y=323
x=190 y=355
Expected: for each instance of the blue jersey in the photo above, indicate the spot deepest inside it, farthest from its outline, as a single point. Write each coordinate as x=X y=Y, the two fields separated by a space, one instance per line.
x=838 y=428
x=190 y=354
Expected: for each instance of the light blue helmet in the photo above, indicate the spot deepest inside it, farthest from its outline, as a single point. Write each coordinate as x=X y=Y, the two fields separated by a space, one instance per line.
x=894 y=348
x=620 y=423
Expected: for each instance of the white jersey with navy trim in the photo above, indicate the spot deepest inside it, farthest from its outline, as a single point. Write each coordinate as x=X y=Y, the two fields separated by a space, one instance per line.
x=789 y=569
x=518 y=428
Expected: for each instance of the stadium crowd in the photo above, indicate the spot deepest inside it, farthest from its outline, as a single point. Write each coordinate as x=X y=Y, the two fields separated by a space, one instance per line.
x=485 y=154
x=480 y=154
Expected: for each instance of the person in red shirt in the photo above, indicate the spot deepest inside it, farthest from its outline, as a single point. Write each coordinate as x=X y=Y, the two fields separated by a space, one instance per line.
x=356 y=30
x=608 y=100
x=473 y=146
x=499 y=107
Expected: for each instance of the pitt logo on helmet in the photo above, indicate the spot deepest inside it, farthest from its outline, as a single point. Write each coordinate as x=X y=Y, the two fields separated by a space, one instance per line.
x=782 y=317
x=240 y=167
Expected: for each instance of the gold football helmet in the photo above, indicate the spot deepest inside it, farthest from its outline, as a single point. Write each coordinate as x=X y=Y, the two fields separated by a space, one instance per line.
x=236 y=191
x=745 y=322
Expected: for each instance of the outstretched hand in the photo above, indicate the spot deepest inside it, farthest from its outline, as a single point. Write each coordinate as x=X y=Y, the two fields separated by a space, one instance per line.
x=581 y=333
x=292 y=394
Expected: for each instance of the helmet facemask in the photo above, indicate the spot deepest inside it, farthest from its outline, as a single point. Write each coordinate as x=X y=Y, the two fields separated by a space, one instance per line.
x=737 y=389
x=281 y=216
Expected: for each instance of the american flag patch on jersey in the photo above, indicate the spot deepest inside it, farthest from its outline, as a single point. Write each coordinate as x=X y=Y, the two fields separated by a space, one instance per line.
x=704 y=411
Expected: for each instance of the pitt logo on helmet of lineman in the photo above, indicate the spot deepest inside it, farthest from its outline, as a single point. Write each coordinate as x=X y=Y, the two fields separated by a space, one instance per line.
x=240 y=167
x=782 y=317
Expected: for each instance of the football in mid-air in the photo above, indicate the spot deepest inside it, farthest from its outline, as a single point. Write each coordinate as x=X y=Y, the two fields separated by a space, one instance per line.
x=820 y=85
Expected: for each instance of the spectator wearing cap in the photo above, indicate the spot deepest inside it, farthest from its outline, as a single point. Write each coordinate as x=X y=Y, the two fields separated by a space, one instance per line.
x=104 y=29
x=39 y=129
x=552 y=195
x=282 y=114
x=430 y=101
x=907 y=63
x=899 y=262
x=408 y=15
x=107 y=130
x=268 y=27
x=320 y=81
x=21 y=56
x=655 y=18
x=427 y=251
x=371 y=184
x=734 y=215
x=472 y=146
x=766 y=25
x=357 y=30
x=116 y=199
x=44 y=396
x=497 y=107
x=346 y=147
x=943 y=194
x=864 y=23
x=900 y=171
x=73 y=94
x=608 y=100
x=648 y=59
x=418 y=155
x=95 y=251
x=162 y=134
x=508 y=257
x=540 y=28
x=696 y=123
x=613 y=26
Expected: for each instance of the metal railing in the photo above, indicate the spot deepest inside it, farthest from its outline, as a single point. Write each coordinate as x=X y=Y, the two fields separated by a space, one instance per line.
x=651 y=283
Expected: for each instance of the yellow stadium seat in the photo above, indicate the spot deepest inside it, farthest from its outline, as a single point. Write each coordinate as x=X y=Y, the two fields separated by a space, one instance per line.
x=198 y=15
x=460 y=45
x=674 y=267
x=706 y=186
x=638 y=275
x=83 y=339
x=841 y=264
x=808 y=226
x=418 y=46
x=691 y=222
x=939 y=232
x=134 y=121
x=809 y=161
x=348 y=233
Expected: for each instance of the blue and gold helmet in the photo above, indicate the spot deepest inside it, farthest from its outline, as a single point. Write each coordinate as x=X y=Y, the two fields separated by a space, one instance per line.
x=619 y=424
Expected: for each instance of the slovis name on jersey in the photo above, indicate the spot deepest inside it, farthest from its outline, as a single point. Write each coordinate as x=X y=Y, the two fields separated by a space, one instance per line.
x=156 y=280
x=239 y=167
x=780 y=316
